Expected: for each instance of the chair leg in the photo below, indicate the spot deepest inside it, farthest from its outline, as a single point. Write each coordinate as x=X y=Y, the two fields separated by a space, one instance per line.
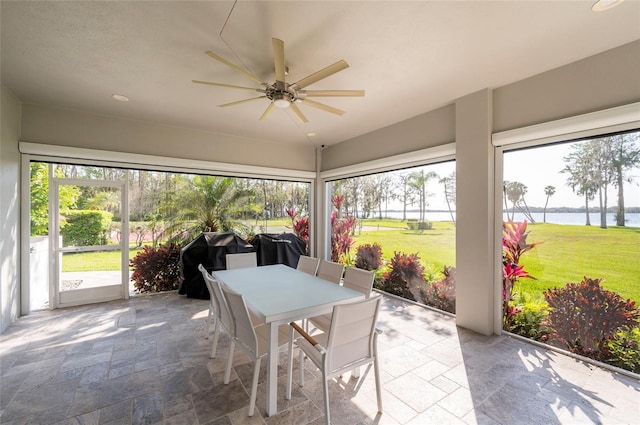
x=325 y=387
x=254 y=386
x=216 y=335
x=227 y=370
x=376 y=372
x=301 y=368
x=287 y=394
x=356 y=372
x=206 y=335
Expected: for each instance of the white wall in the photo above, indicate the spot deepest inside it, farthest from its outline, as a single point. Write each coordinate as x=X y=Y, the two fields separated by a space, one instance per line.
x=63 y=127
x=9 y=208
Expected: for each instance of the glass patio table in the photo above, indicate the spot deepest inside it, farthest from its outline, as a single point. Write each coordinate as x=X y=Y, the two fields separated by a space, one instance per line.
x=279 y=294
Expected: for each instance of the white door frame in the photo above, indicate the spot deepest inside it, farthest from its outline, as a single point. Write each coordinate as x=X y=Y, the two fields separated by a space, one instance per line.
x=57 y=298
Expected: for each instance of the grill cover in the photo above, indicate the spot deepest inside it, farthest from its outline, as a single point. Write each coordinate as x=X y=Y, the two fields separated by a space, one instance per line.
x=285 y=248
x=210 y=250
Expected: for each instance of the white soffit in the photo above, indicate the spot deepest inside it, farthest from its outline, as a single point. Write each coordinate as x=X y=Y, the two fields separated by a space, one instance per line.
x=411 y=159
x=612 y=120
x=120 y=159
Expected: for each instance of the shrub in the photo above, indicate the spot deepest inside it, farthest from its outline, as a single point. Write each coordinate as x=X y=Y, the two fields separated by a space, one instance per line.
x=441 y=294
x=404 y=277
x=369 y=257
x=156 y=270
x=86 y=227
x=623 y=350
x=583 y=316
x=527 y=321
x=419 y=225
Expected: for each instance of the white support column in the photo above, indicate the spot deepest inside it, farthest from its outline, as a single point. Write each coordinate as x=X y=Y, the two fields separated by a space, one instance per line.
x=475 y=306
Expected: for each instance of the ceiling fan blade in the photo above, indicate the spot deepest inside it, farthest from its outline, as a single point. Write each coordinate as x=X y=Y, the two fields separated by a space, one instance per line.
x=278 y=58
x=323 y=73
x=323 y=106
x=333 y=93
x=236 y=67
x=267 y=111
x=238 y=102
x=298 y=112
x=225 y=85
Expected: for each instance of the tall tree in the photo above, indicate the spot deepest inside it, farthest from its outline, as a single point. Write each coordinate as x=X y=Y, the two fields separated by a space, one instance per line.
x=625 y=155
x=418 y=181
x=582 y=179
x=549 y=191
x=39 y=198
x=449 y=184
x=514 y=192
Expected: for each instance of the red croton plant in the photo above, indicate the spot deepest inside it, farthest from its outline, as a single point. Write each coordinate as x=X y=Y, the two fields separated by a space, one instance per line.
x=514 y=245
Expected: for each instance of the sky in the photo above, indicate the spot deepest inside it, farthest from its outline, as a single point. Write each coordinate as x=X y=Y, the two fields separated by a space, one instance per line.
x=539 y=167
x=536 y=168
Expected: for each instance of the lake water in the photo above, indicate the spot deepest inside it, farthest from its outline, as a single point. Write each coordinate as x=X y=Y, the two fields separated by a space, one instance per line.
x=632 y=219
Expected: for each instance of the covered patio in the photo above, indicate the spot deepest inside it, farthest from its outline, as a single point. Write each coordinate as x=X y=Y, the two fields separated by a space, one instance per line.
x=146 y=360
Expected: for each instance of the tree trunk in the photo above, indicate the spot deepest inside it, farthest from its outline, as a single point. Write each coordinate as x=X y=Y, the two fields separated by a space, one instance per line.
x=603 y=209
x=544 y=214
x=586 y=205
x=620 y=213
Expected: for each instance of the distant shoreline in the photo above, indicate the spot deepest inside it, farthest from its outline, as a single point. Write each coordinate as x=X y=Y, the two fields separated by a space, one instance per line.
x=610 y=210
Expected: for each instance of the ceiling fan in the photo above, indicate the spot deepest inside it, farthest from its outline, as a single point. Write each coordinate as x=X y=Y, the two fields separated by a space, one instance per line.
x=282 y=94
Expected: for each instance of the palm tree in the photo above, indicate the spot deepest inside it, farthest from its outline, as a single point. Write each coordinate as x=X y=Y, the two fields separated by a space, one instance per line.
x=418 y=181
x=206 y=204
x=549 y=191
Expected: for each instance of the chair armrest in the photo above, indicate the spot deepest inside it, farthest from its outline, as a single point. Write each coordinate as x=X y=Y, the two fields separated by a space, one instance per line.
x=305 y=335
x=311 y=340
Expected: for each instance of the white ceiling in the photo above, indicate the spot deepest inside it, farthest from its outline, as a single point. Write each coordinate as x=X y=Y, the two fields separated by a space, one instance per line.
x=410 y=57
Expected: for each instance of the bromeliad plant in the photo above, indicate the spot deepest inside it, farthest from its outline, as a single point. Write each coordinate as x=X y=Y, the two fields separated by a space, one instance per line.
x=514 y=245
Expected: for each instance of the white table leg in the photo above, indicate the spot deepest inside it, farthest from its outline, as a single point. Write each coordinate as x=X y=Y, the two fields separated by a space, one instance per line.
x=272 y=370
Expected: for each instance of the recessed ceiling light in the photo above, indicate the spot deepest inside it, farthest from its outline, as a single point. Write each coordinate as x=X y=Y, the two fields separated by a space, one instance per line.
x=602 y=5
x=311 y=134
x=120 y=97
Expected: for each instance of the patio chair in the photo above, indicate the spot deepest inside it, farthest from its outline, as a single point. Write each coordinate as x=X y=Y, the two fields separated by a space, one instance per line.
x=241 y=261
x=217 y=308
x=357 y=279
x=351 y=342
x=308 y=265
x=251 y=338
x=330 y=271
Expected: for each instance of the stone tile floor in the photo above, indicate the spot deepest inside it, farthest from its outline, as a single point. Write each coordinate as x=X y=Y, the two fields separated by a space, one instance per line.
x=146 y=361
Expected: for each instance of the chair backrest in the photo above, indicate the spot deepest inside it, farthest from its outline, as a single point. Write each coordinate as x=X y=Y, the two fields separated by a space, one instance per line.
x=359 y=280
x=222 y=309
x=308 y=265
x=241 y=261
x=351 y=335
x=330 y=271
x=243 y=328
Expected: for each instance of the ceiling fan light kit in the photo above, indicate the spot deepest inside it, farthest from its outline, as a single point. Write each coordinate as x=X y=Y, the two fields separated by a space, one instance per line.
x=282 y=94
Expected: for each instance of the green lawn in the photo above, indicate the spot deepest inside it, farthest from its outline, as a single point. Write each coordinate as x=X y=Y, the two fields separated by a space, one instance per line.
x=436 y=248
x=569 y=253
x=91 y=261
x=566 y=255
